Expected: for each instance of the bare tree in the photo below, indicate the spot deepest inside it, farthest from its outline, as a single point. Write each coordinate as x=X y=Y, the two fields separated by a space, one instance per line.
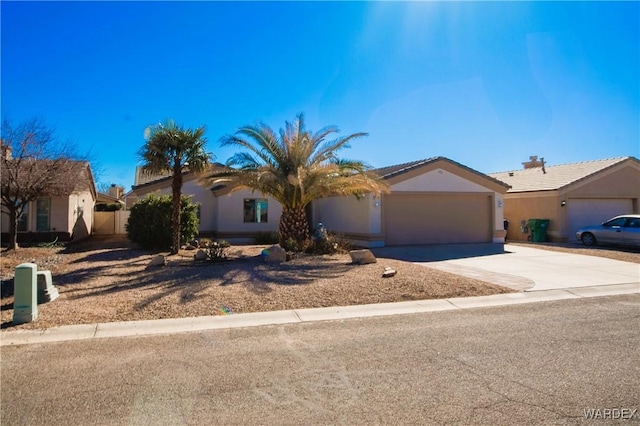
x=33 y=164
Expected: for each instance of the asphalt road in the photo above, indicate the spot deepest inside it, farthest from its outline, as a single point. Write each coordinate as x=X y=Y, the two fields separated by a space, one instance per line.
x=539 y=363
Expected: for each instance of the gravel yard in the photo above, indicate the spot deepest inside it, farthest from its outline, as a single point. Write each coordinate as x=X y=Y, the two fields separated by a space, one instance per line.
x=107 y=280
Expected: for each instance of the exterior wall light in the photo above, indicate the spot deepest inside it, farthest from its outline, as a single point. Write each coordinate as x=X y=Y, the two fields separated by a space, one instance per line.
x=563 y=203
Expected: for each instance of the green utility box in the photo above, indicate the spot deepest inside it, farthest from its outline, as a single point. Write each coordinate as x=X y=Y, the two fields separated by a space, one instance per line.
x=538 y=229
x=25 y=293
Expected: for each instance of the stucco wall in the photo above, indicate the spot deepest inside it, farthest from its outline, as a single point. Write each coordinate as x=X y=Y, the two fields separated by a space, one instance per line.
x=439 y=180
x=64 y=215
x=623 y=183
x=350 y=215
x=230 y=217
x=199 y=194
x=80 y=214
x=522 y=207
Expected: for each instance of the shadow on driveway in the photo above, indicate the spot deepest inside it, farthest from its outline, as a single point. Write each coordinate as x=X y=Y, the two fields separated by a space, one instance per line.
x=438 y=252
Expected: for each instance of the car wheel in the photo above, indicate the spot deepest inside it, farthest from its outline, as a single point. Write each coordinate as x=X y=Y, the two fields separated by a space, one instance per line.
x=588 y=239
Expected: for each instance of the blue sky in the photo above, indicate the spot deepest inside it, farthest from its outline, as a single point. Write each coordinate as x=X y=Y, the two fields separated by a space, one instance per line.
x=482 y=83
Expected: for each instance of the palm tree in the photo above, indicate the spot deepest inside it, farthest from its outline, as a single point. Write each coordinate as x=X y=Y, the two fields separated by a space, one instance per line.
x=295 y=167
x=171 y=148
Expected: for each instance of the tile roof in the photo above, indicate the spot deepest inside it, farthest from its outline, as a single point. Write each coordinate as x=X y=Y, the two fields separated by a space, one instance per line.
x=556 y=177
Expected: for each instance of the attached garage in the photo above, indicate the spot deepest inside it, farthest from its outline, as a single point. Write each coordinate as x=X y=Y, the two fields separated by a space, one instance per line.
x=437 y=219
x=432 y=201
x=570 y=195
x=594 y=211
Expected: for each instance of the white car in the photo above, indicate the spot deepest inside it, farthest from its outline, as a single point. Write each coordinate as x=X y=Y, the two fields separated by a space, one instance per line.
x=624 y=230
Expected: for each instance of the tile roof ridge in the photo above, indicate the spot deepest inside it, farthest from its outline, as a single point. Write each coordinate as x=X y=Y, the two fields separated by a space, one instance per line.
x=548 y=166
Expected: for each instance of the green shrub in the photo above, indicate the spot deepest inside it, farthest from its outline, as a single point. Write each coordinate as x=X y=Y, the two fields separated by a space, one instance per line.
x=108 y=207
x=290 y=245
x=149 y=223
x=267 y=238
x=333 y=243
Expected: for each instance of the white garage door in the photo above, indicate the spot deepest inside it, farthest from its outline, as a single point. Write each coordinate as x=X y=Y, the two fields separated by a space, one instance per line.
x=437 y=219
x=595 y=211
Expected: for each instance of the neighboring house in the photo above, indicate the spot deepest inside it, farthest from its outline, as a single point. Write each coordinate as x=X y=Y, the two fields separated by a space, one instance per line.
x=114 y=197
x=569 y=195
x=432 y=201
x=68 y=217
x=110 y=216
x=142 y=177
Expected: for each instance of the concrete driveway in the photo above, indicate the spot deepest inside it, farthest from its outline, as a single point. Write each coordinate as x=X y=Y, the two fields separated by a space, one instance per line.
x=517 y=267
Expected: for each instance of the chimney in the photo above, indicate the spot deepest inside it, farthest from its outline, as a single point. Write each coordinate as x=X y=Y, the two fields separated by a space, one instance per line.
x=533 y=162
x=115 y=191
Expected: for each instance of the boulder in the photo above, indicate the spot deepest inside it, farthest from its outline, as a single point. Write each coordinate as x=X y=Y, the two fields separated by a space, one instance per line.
x=159 y=260
x=274 y=254
x=388 y=272
x=201 y=255
x=362 y=257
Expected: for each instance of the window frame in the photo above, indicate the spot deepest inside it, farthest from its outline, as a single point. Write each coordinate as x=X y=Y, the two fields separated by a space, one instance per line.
x=23 y=221
x=44 y=215
x=256 y=212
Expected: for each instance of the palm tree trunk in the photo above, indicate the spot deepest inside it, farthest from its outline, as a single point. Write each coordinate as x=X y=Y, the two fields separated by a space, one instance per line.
x=176 y=187
x=294 y=226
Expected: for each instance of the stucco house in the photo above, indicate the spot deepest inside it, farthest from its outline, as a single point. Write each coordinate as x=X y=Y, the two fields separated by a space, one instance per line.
x=66 y=217
x=569 y=195
x=235 y=215
x=430 y=201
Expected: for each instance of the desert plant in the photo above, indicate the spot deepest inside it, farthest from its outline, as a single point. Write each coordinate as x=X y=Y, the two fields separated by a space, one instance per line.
x=333 y=243
x=170 y=147
x=289 y=245
x=150 y=224
x=217 y=250
x=295 y=167
x=266 y=238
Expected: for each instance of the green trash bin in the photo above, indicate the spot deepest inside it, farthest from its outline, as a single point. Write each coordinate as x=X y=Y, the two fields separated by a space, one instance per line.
x=538 y=228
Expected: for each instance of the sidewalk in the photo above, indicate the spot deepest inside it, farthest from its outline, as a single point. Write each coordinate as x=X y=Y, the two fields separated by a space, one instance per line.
x=180 y=325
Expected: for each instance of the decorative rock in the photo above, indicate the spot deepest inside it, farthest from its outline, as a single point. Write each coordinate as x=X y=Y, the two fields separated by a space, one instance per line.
x=388 y=272
x=159 y=260
x=274 y=254
x=200 y=255
x=362 y=257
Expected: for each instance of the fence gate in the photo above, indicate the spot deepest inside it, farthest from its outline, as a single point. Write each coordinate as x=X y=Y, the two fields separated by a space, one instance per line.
x=110 y=223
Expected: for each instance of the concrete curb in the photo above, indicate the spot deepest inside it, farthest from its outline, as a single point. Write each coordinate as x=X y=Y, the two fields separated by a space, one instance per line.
x=180 y=325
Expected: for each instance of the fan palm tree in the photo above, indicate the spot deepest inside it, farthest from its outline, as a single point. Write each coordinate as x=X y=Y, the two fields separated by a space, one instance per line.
x=171 y=148
x=295 y=167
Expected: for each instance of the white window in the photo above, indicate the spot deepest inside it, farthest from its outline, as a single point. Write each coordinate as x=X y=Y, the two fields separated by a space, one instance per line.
x=255 y=210
x=24 y=219
x=43 y=213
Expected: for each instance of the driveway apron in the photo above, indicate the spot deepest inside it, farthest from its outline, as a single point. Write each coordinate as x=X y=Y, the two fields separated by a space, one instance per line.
x=518 y=267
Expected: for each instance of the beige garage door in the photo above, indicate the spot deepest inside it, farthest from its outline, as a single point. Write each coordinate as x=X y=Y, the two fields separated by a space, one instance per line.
x=437 y=219
x=586 y=212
